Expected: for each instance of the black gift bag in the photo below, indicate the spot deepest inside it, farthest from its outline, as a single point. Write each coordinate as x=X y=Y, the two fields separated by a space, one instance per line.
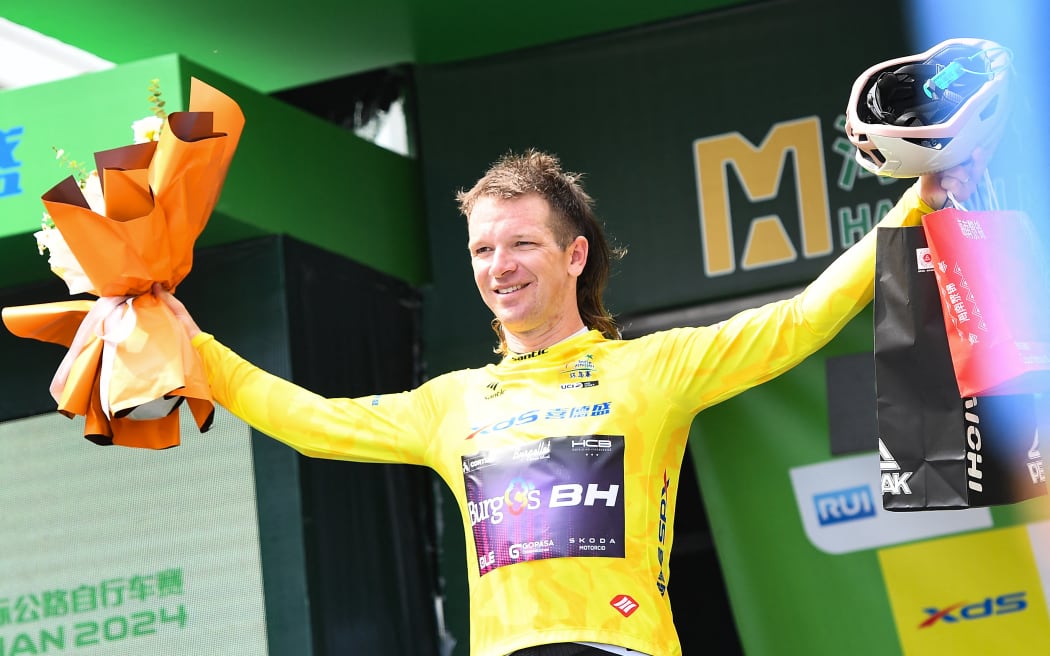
x=936 y=450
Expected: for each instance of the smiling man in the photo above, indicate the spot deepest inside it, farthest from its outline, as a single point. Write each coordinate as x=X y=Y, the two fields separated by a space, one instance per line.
x=564 y=456
x=526 y=276
x=540 y=258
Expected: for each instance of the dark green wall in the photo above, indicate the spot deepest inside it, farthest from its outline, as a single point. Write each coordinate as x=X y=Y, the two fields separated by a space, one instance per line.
x=626 y=109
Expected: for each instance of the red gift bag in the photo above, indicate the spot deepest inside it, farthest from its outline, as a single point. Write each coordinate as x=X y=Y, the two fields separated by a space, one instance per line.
x=992 y=274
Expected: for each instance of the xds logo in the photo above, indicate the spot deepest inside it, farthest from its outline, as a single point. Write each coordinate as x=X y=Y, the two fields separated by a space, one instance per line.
x=961 y=612
x=893 y=480
x=553 y=414
x=661 y=536
x=844 y=505
x=526 y=417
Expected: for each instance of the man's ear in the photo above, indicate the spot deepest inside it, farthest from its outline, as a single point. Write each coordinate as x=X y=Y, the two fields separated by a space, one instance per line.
x=578 y=255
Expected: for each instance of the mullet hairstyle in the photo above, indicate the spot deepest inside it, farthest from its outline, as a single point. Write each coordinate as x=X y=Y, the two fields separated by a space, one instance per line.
x=517 y=174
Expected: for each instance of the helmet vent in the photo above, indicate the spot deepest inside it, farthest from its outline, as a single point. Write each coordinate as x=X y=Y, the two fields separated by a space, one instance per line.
x=989 y=111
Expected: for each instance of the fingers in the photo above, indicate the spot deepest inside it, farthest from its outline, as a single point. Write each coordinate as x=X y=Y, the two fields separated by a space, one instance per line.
x=963 y=180
x=960 y=182
x=165 y=297
x=932 y=191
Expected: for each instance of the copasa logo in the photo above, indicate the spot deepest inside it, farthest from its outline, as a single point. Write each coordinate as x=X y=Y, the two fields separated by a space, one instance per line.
x=1013 y=602
x=520 y=549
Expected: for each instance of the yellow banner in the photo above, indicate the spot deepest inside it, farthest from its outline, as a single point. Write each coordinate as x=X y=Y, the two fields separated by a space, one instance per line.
x=976 y=594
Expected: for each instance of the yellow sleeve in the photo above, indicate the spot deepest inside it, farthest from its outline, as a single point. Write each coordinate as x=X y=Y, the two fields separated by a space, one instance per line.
x=848 y=284
x=713 y=363
x=383 y=428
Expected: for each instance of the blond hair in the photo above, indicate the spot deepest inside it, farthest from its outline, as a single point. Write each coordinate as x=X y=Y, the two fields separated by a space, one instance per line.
x=517 y=174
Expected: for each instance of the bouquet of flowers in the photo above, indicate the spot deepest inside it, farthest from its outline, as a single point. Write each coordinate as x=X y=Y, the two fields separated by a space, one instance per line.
x=129 y=365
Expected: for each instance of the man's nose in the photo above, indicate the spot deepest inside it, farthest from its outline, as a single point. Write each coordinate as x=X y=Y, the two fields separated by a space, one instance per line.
x=503 y=262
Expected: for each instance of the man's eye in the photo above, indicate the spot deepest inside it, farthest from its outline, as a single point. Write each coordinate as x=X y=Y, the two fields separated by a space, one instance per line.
x=481 y=250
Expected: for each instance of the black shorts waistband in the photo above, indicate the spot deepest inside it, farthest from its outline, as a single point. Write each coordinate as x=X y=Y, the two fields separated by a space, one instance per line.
x=561 y=649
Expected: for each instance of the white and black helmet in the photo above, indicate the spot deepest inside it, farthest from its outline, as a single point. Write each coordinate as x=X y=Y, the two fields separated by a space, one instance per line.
x=928 y=112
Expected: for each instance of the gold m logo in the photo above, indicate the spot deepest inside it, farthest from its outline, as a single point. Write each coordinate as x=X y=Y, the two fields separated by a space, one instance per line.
x=759 y=171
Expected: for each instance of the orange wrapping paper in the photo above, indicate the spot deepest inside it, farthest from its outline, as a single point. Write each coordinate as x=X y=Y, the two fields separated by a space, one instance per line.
x=130 y=365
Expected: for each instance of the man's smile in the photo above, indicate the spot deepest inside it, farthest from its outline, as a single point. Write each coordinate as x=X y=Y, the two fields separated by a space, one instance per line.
x=508 y=290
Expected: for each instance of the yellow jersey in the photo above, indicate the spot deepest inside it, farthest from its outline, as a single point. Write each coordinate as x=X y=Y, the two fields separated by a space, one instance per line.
x=564 y=462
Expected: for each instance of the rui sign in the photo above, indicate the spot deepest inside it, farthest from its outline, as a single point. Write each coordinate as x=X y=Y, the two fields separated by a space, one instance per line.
x=10 y=180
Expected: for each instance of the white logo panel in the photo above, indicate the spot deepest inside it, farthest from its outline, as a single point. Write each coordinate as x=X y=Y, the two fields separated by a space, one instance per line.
x=840 y=503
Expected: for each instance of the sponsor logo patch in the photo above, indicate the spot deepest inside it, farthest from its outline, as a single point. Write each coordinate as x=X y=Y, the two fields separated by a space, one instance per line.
x=625 y=604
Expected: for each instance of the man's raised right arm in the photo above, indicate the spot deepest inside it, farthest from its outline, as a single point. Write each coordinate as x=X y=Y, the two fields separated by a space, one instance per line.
x=362 y=429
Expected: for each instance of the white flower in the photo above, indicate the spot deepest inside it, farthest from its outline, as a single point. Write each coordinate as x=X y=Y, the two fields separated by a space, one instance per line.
x=61 y=259
x=92 y=189
x=147 y=129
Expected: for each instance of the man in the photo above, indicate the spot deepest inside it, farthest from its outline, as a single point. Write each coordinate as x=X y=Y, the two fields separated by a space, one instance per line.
x=564 y=456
